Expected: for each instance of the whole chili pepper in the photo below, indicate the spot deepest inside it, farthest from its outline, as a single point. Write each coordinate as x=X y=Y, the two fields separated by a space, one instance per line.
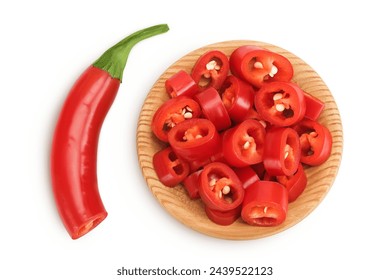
x=75 y=140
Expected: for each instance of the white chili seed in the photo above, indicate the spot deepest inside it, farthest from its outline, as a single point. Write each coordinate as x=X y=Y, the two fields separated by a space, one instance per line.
x=226 y=189
x=211 y=65
x=279 y=107
x=258 y=65
x=273 y=71
x=212 y=182
x=187 y=115
x=277 y=96
x=246 y=145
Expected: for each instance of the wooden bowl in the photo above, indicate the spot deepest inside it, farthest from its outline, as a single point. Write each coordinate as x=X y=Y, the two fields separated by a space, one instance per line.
x=191 y=212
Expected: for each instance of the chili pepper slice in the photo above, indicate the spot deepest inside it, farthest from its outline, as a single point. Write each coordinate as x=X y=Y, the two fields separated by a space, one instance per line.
x=211 y=69
x=237 y=96
x=220 y=188
x=172 y=112
x=295 y=184
x=265 y=204
x=280 y=103
x=243 y=144
x=181 y=84
x=247 y=176
x=213 y=109
x=257 y=65
x=282 y=151
x=315 y=141
x=75 y=139
x=170 y=169
x=314 y=106
x=194 y=139
x=223 y=218
x=191 y=184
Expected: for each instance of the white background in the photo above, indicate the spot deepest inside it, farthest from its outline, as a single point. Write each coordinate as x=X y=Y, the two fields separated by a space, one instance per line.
x=45 y=45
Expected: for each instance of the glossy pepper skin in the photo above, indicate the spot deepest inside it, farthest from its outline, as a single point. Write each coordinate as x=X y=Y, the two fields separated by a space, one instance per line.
x=75 y=140
x=258 y=66
x=220 y=188
x=280 y=103
x=210 y=70
x=265 y=204
x=195 y=139
x=315 y=141
x=213 y=108
x=170 y=169
x=282 y=151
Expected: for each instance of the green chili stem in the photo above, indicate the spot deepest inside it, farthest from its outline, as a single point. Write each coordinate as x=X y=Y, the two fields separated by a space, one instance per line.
x=114 y=59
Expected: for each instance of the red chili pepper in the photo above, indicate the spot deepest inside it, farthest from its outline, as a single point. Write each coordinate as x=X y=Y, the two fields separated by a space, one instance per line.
x=213 y=108
x=315 y=140
x=75 y=140
x=237 y=96
x=295 y=184
x=281 y=103
x=265 y=204
x=223 y=218
x=191 y=184
x=181 y=84
x=172 y=112
x=314 y=106
x=244 y=144
x=211 y=69
x=170 y=169
x=247 y=176
x=194 y=139
x=257 y=65
x=220 y=188
x=281 y=151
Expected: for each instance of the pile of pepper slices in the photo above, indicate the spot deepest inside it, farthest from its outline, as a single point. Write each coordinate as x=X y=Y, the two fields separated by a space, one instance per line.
x=240 y=134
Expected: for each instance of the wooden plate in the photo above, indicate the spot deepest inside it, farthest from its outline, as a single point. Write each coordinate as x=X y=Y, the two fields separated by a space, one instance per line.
x=191 y=212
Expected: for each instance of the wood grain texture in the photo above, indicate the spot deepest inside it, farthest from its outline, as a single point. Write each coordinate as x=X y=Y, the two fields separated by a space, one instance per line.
x=191 y=213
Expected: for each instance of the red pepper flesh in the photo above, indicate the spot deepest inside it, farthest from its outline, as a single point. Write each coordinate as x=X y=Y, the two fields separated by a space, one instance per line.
x=281 y=151
x=170 y=169
x=265 y=204
x=210 y=70
x=181 y=84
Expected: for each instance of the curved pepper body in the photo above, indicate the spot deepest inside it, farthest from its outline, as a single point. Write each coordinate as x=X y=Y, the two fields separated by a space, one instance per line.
x=74 y=151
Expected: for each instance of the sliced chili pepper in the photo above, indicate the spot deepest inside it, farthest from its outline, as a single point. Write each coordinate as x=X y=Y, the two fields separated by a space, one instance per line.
x=194 y=139
x=295 y=184
x=223 y=218
x=75 y=140
x=213 y=109
x=315 y=140
x=243 y=144
x=247 y=176
x=172 y=112
x=281 y=151
x=181 y=84
x=170 y=169
x=265 y=204
x=257 y=65
x=237 y=96
x=281 y=103
x=191 y=184
x=220 y=188
x=211 y=69
x=314 y=106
